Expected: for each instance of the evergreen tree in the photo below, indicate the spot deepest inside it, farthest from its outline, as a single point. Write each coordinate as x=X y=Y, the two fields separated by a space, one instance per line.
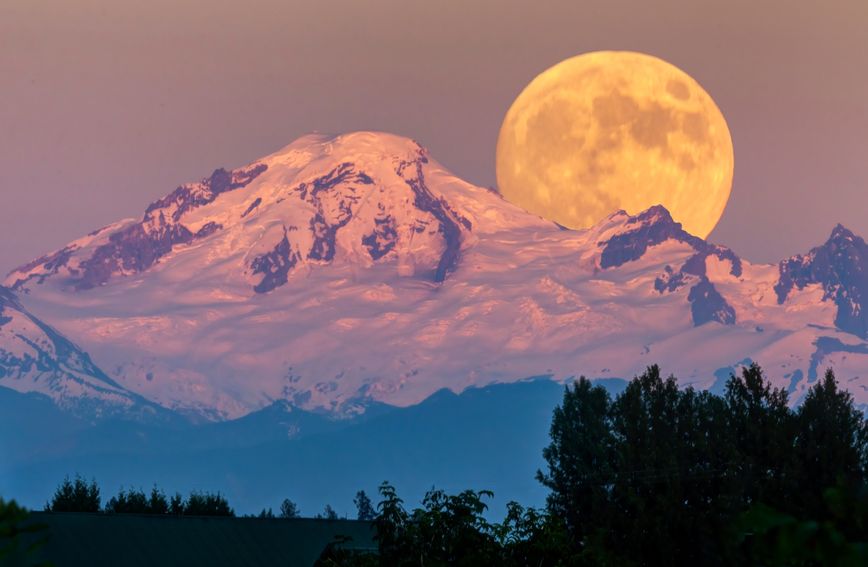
x=137 y=502
x=364 y=507
x=128 y=502
x=176 y=505
x=207 y=504
x=75 y=496
x=157 y=503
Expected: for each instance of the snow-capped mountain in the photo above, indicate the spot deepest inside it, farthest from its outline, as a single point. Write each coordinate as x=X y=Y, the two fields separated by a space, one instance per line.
x=349 y=269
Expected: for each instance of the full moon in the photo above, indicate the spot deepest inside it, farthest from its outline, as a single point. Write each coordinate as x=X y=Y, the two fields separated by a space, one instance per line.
x=616 y=130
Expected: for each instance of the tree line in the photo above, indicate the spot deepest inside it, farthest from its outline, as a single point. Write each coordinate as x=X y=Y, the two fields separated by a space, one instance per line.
x=80 y=495
x=659 y=475
x=656 y=475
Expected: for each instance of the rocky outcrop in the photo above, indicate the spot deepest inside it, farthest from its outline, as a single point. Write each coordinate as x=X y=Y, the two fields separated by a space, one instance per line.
x=840 y=267
x=137 y=247
x=656 y=226
x=649 y=228
x=450 y=223
x=275 y=265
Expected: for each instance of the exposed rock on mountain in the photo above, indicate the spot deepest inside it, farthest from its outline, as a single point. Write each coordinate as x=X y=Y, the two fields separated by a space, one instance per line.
x=840 y=268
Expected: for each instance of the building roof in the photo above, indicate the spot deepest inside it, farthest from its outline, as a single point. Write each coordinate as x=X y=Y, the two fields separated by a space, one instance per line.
x=131 y=540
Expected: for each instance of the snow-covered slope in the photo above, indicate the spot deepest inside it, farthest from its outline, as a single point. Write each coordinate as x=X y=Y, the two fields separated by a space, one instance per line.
x=346 y=269
x=36 y=358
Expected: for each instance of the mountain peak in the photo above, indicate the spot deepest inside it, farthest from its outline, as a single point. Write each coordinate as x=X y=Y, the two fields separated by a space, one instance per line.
x=347 y=269
x=841 y=234
x=656 y=214
x=840 y=267
x=626 y=238
x=363 y=198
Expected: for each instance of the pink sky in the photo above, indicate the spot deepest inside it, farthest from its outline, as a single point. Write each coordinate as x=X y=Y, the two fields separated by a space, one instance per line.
x=105 y=106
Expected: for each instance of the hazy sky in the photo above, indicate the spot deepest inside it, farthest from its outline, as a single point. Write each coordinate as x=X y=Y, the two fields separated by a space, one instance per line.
x=106 y=105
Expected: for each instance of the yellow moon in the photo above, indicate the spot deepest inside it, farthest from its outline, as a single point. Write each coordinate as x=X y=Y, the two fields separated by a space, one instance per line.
x=614 y=130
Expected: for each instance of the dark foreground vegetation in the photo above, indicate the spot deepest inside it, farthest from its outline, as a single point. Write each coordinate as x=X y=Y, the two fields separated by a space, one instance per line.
x=656 y=475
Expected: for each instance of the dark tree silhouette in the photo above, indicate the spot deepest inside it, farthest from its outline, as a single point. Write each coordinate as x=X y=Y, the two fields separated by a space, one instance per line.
x=207 y=504
x=137 y=502
x=364 y=506
x=288 y=509
x=157 y=502
x=75 y=496
x=763 y=427
x=630 y=477
x=829 y=444
x=580 y=459
x=656 y=476
x=176 y=505
x=14 y=527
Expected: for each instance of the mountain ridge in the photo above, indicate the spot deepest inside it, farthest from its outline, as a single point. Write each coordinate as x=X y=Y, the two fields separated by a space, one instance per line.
x=34 y=357
x=349 y=270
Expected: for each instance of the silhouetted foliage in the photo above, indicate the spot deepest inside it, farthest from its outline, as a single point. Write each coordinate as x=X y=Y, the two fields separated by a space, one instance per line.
x=829 y=445
x=157 y=503
x=176 y=505
x=288 y=509
x=656 y=475
x=447 y=530
x=630 y=476
x=530 y=537
x=663 y=476
x=771 y=537
x=340 y=553
x=13 y=525
x=364 y=506
x=328 y=513
x=580 y=457
x=452 y=530
x=137 y=502
x=666 y=460
x=75 y=496
x=763 y=427
x=207 y=504
x=81 y=496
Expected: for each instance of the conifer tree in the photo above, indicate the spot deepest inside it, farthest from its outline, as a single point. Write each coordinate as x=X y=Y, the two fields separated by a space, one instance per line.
x=75 y=496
